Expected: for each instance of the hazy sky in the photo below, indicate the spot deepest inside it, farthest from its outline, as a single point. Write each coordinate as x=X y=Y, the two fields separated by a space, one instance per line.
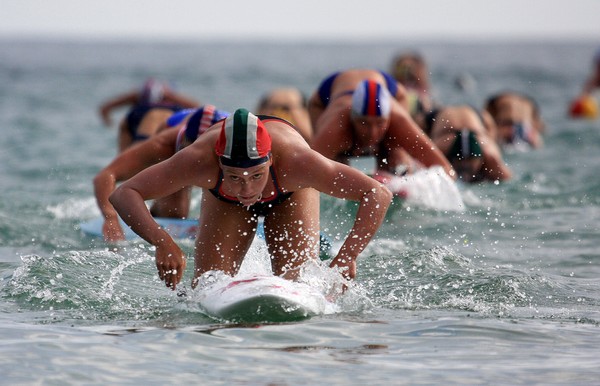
x=302 y=19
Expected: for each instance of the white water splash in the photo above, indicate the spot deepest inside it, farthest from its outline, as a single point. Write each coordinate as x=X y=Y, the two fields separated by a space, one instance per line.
x=75 y=208
x=431 y=188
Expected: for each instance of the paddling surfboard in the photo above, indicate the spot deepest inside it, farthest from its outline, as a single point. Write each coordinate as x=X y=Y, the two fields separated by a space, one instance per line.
x=184 y=229
x=257 y=299
x=177 y=228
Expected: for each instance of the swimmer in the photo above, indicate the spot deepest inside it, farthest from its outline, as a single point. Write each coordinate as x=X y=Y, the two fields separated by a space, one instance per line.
x=250 y=167
x=290 y=104
x=462 y=134
x=585 y=105
x=183 y=130
x=517 y=118
x=142 y=122
x=410 y=70
x=156 y=97
x=593 y=81
x=364 y=113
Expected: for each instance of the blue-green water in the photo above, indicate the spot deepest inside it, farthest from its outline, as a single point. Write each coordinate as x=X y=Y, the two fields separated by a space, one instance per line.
x=505 y=292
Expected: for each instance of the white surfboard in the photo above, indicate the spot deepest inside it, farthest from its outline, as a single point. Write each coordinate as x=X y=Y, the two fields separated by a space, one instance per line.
x=261 y=298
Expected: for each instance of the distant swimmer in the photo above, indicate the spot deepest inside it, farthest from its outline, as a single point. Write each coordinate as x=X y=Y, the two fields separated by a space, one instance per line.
x=364 y=113
x=517 y=118
x=593 y=81
x=290 y=104
x=585 y=105
x=142 y=122
x=250 y=167
x=156 y=97
x=410 y=70
x=184 y=130
x=465 y=136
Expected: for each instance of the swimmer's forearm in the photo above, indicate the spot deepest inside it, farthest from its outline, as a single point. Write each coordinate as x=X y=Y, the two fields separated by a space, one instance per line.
x=131 y=207
x=104 y=185
x=369 y=218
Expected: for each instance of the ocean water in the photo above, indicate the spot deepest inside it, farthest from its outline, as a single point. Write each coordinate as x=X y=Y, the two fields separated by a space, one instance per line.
x=504 y=291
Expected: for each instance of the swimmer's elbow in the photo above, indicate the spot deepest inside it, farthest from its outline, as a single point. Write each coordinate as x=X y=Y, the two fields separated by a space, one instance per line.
x=119 y=195
x=381 y=194
x=103 y=178
x=387 y=195
x=114 y=197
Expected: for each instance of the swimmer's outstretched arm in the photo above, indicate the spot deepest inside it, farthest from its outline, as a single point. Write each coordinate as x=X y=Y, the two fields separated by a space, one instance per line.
x=156 y=182
x=341 y=181
x=127 y=99
x=124 y=166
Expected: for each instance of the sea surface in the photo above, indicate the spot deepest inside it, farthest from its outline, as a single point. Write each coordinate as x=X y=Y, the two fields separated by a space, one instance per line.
x=504 y=291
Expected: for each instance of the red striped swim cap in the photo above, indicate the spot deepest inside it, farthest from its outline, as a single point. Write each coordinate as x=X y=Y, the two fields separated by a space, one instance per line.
x=244 y=141
x=371 y=99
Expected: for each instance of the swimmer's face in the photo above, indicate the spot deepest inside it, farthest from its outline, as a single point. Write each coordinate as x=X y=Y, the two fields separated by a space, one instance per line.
x=246 y=184
x=280 y=111
x=511 y=114
x=405 y=70
x=370 y=130
x=513 y=129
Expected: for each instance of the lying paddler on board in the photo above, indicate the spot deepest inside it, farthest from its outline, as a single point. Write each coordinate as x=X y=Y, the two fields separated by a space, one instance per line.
x=467 y=138
x=518 y=120
x=250 y=167
x=181 y=130
x=176 y=132
x=154 y=100
x=363 y=112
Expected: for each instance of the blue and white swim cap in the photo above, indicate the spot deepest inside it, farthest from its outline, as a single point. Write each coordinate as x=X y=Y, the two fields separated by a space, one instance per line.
x=199 y=121
x=178 y=117
x=202 y=119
